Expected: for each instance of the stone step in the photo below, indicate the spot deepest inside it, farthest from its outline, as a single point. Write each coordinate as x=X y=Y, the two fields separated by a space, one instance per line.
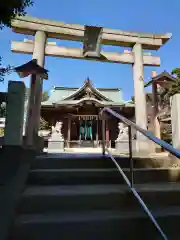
x=44 y=199
x=105 y=225
x=75 y=176
x=101 y=176
x=54 y=161
x=60 y=161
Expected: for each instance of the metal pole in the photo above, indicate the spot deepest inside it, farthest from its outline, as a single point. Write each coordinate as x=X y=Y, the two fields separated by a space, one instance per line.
x=103 y=137
x=29 y=129
x=69 y=133
x=130 y=156
x=97 y=132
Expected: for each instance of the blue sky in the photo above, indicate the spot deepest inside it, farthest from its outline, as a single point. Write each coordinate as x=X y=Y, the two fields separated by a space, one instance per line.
x=157 y=16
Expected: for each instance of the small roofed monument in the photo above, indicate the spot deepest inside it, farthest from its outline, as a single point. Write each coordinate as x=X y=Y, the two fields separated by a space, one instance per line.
x=37 y=74
x=92 y=38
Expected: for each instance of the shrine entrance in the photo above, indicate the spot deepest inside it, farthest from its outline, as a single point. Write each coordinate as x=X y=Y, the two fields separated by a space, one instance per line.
x=86 y=131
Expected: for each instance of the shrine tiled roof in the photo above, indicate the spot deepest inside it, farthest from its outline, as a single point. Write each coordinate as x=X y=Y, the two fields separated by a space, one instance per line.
x=66 y=95
x=162 y=78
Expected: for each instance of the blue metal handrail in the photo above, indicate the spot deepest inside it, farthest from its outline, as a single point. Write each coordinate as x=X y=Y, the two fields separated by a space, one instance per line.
x=136 y=194
x=150 y=136
x=146 y=133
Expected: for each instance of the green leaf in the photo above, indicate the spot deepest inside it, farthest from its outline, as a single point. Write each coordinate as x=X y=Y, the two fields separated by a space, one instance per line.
x=10 y=8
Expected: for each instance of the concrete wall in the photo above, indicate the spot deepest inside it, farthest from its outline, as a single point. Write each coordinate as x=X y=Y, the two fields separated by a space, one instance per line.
x=13 y=134
x=175 y=116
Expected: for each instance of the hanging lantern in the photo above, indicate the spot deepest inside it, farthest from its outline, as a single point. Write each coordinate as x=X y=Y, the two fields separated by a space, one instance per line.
x=31 y=68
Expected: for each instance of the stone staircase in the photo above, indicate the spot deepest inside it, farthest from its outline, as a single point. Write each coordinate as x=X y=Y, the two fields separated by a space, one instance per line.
x=84 y=197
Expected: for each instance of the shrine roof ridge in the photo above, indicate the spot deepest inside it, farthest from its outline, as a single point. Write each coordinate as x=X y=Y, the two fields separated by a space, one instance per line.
x=77 y=102
x=98 y=88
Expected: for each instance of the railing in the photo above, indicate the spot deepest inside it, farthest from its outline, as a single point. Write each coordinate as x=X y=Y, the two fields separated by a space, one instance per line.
x=130 y=182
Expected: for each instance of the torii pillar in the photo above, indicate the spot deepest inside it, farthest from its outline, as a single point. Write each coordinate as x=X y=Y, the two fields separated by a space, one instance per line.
x=140 y=100
x=34 y=108
x=156 y=124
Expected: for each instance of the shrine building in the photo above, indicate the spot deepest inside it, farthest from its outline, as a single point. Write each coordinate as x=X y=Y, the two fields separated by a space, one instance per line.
x=78 y=109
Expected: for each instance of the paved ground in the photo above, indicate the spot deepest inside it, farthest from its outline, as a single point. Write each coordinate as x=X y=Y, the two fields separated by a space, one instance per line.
x=99 y=151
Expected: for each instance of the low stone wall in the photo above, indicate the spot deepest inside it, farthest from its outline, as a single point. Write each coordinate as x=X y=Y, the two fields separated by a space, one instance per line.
x=52 y=145
x=122 y=146
x=14 y=168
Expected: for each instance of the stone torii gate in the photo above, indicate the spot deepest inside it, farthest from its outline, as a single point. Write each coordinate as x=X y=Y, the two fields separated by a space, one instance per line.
x=92 y=38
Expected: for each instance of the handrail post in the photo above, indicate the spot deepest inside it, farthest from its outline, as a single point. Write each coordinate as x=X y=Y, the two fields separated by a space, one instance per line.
x=130 y=156
x=103 y=136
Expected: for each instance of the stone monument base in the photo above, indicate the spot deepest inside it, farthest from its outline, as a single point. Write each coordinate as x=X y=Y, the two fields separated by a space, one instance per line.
x=56 y=141
x=145 y=146
x=59 y=145
x=140 y=147
x=122 y=146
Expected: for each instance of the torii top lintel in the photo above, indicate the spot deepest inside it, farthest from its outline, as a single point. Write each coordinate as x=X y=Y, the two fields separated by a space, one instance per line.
x=75 y=32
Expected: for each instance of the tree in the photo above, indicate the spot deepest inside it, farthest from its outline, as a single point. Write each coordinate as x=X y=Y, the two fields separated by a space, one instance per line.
x=4 y=71
x=8 y=10
x=1 y=132
x=45 y=96
x=164 y=101
x=172 y=89
x=3 y=110
x=176 y=72
x=148 y=98
x=175 y=87
x=43 y=123
x=2 y=115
